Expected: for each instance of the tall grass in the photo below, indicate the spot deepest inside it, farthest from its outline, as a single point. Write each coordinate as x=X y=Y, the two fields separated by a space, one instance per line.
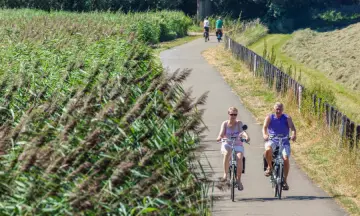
x=90 y=123
x=247 y=33
x=151 y=27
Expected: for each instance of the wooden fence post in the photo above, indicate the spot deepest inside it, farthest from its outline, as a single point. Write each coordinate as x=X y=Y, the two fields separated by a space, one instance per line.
x=326 y=113
x=319 y=106
x=351 y=134
x=335 y=121
x=300 y=96
x=338 y=118
x=357 y=136
x=342 y=128
x=314 y=103
x=331 y=116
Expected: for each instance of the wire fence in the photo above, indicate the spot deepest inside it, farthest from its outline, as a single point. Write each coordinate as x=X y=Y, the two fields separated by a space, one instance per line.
x=282 y=83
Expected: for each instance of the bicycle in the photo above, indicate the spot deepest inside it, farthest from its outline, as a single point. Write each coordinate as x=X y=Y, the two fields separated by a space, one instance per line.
x=277 y=174
x=206 y=35
x=233 y=164
x=219 y=34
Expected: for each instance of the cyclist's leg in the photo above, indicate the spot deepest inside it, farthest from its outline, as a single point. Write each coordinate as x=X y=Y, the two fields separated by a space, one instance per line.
x=239 y=158
x=226 y=151
x=286 y=155
x=269 y=146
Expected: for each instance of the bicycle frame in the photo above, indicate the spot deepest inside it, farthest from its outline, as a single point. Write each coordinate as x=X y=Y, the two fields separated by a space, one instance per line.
x=233 y=162
x=232 y=167
x=277 y=175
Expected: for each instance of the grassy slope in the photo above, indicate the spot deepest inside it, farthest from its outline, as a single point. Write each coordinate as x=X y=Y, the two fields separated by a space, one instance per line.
x=313 y=138
x=336 y=54
x=347 y=99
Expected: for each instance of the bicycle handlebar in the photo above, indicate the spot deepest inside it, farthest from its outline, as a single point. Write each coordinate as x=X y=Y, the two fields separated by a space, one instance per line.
x=279 y=137
x=233 y=138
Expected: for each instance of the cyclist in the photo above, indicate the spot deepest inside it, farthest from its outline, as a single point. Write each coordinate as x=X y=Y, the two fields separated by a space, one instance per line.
x=206 y=26
x=278 y=123
x=229 y=128
x=219 y=26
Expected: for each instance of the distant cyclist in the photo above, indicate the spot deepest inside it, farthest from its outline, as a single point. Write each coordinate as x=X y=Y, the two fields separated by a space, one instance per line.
x=278 y=124
x=219 y=27
x=206 y=26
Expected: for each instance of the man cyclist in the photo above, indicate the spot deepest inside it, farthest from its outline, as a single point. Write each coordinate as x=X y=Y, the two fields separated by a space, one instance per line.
x=206 y=26
x=219 y=26
x=278 y=124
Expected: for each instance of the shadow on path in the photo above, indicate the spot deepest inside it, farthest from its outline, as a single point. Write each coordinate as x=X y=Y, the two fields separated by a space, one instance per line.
x=265 y=199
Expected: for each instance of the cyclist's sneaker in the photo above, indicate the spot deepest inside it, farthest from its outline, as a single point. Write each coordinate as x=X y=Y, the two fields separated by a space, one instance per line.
x=285 y=186
x=240 y=186
x=267 y=172
x=222 y=179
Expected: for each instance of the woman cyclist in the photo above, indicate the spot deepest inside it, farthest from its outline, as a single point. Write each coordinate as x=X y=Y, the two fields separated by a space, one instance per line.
x=230 y=128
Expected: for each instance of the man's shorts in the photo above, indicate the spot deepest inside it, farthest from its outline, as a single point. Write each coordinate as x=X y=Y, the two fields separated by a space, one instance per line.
x=286 y=150
x=227 y=148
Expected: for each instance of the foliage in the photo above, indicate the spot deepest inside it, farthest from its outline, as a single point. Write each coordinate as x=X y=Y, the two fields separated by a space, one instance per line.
x=90 y=124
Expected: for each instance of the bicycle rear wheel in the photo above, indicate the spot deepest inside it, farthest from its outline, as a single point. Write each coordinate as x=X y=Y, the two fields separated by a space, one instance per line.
x=274 y=177
x=233 y=182
x=280 y=183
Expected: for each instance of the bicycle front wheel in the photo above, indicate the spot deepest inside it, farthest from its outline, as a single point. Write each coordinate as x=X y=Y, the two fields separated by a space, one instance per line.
x=233 y=182
x=281 y=180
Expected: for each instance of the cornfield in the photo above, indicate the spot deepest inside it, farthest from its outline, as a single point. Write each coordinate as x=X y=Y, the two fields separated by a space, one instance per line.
x=90 y=124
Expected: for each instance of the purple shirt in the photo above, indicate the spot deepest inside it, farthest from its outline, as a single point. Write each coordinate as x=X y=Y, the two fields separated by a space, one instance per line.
x=278 y=125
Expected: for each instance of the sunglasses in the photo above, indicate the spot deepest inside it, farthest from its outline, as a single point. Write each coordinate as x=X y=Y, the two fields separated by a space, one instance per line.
x=233 y=114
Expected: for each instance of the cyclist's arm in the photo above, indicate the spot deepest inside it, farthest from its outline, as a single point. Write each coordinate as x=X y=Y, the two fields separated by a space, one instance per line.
x=292 y=128
x=222 y=131
x=265 y=127
x=243 y=133
x=246 y=136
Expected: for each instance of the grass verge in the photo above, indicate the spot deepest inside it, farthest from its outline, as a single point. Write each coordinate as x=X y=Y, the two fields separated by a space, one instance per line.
x=177 y=42
x=347 y=100
x=316 y=151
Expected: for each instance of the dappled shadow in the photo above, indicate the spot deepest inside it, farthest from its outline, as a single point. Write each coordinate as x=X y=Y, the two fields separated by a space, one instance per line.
x=326 y=26
x=289 y=198
x=319 y=26
x=328 y=19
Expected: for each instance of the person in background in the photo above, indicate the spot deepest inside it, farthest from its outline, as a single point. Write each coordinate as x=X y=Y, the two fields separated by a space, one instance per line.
x=206 y=26
x=219 y=27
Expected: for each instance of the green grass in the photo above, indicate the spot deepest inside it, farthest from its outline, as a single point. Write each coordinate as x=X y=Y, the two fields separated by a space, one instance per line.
x=347 y=100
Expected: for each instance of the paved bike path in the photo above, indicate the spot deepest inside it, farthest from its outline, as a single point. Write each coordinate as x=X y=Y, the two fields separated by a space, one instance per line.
x=257 y=198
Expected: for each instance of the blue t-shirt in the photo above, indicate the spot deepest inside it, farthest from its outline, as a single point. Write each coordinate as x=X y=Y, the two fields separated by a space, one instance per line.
x=278 y=126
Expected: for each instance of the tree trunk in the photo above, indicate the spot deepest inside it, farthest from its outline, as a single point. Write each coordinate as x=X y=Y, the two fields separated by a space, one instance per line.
x=203 y=9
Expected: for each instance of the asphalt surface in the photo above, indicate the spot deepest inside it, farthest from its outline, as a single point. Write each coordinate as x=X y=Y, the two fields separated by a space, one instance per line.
x=257 y=198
